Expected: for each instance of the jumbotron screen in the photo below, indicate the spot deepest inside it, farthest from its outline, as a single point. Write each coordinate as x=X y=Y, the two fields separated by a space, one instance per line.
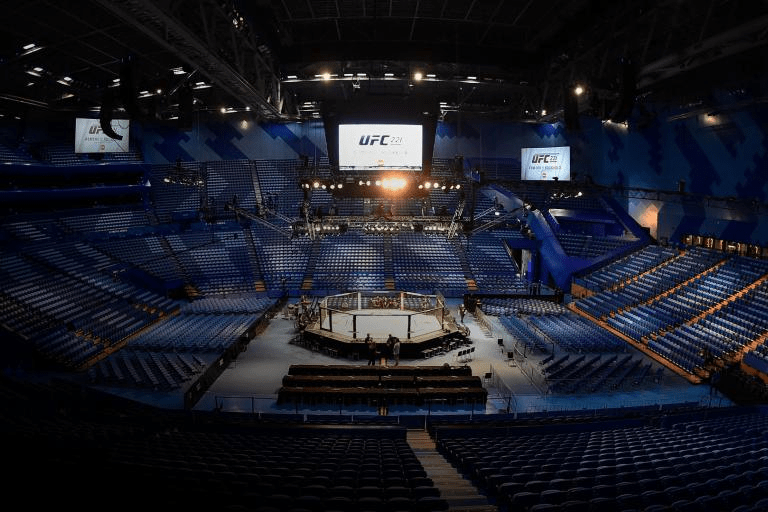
x=546 y=164
x=368 y=147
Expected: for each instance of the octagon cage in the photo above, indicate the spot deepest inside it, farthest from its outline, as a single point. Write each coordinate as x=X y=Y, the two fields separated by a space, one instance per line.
x=405 y=315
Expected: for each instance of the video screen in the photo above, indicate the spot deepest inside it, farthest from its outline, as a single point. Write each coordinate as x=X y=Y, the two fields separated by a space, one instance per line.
x=368 y=147
x=546 y=164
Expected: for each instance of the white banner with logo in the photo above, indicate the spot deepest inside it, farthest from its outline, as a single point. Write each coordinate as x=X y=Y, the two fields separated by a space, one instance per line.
x=546 y=164
x=380 y=146
x=90 y=138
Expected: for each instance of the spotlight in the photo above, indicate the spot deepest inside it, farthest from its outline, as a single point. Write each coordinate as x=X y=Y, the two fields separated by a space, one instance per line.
x=316 y=184
x=427 y=184
x=341 y=185
x=579 y=90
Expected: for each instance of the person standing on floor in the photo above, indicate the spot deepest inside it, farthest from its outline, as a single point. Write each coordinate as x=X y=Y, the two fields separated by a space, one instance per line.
x=371 y=350
x=396 y=351
x=462 y=310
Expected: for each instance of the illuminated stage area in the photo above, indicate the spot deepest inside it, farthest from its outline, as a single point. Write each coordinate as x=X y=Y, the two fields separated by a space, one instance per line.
x=421 y=322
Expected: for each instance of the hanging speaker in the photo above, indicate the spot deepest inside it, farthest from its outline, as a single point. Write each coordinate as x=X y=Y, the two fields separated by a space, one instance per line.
x=570 y=109
x=186 y=103
x=128 y=88
x=105 y=114
x=627 y=91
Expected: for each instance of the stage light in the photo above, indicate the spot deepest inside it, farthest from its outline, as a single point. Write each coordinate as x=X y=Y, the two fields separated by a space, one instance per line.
x=427 y=184
x=341 y=185
x=394 y=183
x=458 y=186
x=360 y=183
x=326 y=76
x=316 y=184
x=417 y=76
x=322 y=186
x=368 y=183
x=333 y=186
x=579 y=90
x=421 y=186
x=378 y=183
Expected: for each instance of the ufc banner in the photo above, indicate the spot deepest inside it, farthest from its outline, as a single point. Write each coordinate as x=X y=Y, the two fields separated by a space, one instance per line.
x=90 y=138
x=546 y=164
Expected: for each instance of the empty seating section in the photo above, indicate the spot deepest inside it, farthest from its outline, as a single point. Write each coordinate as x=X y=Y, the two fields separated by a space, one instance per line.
x=350 y=261
x=279 y=185
x=653 y=283
x=172 y=352
x=171 y=199
x=573 y=333
x=492 y=267
x=159 y=371
x=283 y=262
x=689 y=300
x=494 y=168
x=217 y=262
x=625 y=268
x=27 y=230
x=147 y=253
x=108 y=221
x=689 y=309
x=57 y=297
x=425 y=263
x=588 y=246
x=240 y=304
x=501 y=306
x=227 y=179
x=623 y=464
x=201 y=333
x=12 y=151
x=281 y=467
x=758 y=358
x=522 y=333
x=64 y=155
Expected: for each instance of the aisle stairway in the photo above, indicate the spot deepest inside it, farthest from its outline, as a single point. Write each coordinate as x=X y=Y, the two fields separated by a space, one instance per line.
x=460 y=493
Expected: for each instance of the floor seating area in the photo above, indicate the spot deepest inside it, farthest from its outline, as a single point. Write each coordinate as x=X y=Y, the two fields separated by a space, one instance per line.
x=504 y=306
x=574 y=333
x=686 y=462
x=380 y=385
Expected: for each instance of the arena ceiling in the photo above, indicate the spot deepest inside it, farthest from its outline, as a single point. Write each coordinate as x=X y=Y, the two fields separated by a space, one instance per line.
x=285 y=59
